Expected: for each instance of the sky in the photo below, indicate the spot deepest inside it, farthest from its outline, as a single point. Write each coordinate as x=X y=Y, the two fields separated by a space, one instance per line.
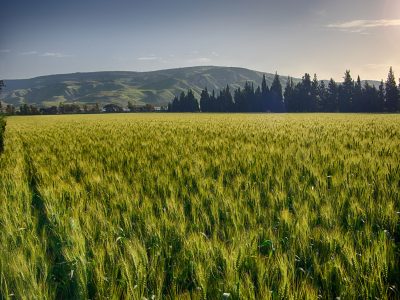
x=290 y=37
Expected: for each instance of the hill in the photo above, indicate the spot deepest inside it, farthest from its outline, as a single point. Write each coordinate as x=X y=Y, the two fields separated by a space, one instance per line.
x=155 y=87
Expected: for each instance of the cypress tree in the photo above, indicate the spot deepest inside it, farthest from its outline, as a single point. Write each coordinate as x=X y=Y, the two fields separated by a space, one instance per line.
x=305 y=94
x=258 y=100
x=315 y=100
x=240 y=101
x=391 y=92
x=182 y=104
x=213 y=101
x=346 y=90
x=191 y=102
x=265 y=101
x=381 y=97
x=228 y=104
x=276 y=95
x=205 y=101
x=322 y=95
x=248 y=97
x=358 y=99
x=175 y=104
x=289 y=96
x=370 y=98
x=332 y=104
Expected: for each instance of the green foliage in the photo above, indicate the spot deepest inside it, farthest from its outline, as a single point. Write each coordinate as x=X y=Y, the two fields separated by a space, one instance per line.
x=2 y=130
x=185 y=103
x=392 y=93
x=184 y=206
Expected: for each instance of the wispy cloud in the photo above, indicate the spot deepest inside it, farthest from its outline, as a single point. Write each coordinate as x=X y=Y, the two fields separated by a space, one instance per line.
x=151 y=57
x=378 y=66
x=5 y=50
x=29 y=53
x=320 y=12
x=359 y=26
x=55 y=54
x=200 y=60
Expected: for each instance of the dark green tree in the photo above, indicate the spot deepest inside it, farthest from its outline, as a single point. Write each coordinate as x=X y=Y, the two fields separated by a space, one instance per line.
x=24 y=109
x=108 y=108
x=131 y=107
x=346 y=90
x=315 y=97
x=213 y=101
x=258 y=103
x=61 y=107
x=205 y=101
x=391 y=93
x=381 y=97
x=191 y=102
x=323 y=96
x=185 y=103
x=332 y=104
x=225 y=100
x=276 y=95
x=370 y=99
x=289 y=96
x=248 y=94
x=10 y=109
x=304 y=94
x=182 y=105
x=358 y=99
x=175 y=105
x=265 y=95
x=240 y=100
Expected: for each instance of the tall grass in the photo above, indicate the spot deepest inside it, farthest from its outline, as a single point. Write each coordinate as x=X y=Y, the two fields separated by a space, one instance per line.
x=200 y=207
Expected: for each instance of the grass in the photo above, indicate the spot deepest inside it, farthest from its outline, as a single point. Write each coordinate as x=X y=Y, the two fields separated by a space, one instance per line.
x=198 y=206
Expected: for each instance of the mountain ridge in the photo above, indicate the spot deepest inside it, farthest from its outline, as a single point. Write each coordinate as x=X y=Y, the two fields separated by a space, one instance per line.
x=120 y=87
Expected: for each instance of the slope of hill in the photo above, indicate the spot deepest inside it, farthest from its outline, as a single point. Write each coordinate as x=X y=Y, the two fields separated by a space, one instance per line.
x=156 y=87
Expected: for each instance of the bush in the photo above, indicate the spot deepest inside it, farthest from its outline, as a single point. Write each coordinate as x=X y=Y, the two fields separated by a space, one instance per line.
x=2 y=130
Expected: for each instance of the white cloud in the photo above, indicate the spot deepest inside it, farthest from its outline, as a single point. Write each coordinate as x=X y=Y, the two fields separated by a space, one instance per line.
x=5 y=50
x=29 y=53
x=359 y=26
x=55 y=54
x=200 y=60
x=144 y=58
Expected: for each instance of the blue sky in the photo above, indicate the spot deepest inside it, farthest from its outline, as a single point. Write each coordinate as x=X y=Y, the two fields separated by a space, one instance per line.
x=291 y=37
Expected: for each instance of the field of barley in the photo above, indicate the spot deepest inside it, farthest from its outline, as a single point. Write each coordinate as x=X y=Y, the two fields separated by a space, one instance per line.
x=200 y=206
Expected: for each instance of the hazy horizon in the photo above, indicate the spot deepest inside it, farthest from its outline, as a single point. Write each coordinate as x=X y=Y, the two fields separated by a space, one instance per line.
x=288 y=37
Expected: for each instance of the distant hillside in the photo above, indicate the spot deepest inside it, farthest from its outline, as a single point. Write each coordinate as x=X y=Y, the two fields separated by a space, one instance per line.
x=156 y=87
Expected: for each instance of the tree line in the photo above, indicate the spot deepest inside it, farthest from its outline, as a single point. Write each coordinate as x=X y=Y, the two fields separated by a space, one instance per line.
x=73 y=108
x=308 y=95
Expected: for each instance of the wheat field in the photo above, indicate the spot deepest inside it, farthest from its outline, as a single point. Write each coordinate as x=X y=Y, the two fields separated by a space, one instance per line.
x=200 y=206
